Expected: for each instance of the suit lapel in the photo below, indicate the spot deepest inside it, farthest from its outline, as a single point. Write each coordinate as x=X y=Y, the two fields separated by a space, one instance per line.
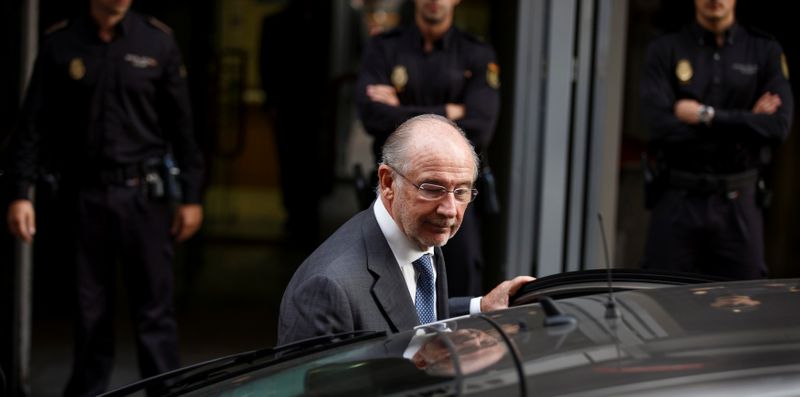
x=389 y=289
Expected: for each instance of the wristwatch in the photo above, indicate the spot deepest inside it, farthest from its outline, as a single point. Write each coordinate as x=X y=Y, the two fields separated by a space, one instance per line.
x=706 y=114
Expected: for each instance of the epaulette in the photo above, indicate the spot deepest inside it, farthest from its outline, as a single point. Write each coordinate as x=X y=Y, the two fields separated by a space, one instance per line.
x=159 y=25
x=473 y=38
x=760 y=33
x=391 y=32
x=57 y=26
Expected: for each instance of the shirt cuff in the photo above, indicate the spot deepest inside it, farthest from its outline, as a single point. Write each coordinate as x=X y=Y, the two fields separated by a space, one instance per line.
x=475 y=305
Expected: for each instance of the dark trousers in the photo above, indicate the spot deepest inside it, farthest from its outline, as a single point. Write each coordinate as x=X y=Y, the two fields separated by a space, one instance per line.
x=463 y=256
x=121 y=223
x=713 y=234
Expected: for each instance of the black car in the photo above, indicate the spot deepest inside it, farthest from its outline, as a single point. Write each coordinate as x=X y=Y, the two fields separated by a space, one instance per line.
x=572 y=334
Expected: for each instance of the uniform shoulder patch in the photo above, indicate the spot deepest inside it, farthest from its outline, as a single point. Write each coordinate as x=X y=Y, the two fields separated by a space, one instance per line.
x=493 y=75
x=159 y=25
x=57 y=26
x=784 y=67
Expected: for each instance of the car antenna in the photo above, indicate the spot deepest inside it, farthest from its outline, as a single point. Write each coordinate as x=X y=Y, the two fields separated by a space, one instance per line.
x=611 y=305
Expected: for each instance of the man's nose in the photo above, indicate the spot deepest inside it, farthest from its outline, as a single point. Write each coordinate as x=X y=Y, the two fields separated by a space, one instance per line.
x=448 y=205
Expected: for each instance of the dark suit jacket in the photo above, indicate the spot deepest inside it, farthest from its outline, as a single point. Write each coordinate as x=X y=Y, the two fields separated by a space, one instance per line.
x=352 y=282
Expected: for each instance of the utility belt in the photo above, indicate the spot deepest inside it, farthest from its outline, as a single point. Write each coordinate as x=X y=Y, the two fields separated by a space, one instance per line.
x=158 y=176
x=123 y=175
x=706 y=183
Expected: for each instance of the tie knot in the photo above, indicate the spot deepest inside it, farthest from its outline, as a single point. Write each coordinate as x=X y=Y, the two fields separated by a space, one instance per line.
x=423 y=265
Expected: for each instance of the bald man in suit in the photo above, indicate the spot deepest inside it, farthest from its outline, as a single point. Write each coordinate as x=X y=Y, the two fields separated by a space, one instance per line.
x=363 y=276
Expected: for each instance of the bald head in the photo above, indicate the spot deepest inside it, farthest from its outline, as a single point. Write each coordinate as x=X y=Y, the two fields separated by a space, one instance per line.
x=430 y=151
x=425 y=135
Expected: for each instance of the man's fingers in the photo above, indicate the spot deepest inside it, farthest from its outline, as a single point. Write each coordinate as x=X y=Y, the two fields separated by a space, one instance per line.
x=188 y=219
x=385 y=98
x=767 y=103
x=498 y=297
x=183 y=235
x=382 y=93
x=517 y=282
x=29 y=226
x=19 y=228
x=22 y=220
x=187 y=231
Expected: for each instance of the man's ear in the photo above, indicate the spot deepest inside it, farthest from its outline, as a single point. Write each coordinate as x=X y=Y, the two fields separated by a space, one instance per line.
x=385 y=179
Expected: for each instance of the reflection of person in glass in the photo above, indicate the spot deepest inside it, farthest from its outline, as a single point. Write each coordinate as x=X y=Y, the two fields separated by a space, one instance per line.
x=735 y=303
x=476 y=349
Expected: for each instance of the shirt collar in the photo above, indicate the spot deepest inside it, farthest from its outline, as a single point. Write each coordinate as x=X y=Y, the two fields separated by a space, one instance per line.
x=705 y=37
x=402 y=247
x=122 y=28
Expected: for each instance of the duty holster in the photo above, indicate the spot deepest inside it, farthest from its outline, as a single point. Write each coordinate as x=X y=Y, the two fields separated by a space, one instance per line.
x=487 y=192
x=653 y=176
x=763 y=193
x=162 y=179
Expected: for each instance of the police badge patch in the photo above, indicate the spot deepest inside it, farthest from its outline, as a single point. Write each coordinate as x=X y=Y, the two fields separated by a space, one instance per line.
x=77 y=69
x=141 y=61
x=784 y=67
x=493 y=75
x=399 y=77
x=684 y=71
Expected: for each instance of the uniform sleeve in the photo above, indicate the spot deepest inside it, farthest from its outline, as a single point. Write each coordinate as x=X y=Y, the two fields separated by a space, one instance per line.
x=769 y=126
x=176 y=119
x=26 y=141
x=380 y=119
x=658 y=97
x=481 y=98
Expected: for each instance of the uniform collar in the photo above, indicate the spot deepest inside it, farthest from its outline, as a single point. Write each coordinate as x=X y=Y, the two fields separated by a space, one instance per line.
x=123 y=28
x=442 y=44
x=705 y=37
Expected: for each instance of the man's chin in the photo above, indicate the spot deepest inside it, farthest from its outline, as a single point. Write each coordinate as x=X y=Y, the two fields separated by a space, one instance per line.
x=433 y=19
x=436 y=241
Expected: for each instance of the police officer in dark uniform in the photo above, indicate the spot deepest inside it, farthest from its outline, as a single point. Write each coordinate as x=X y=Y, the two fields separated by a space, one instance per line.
x=717 y=97
x=106 y=108
x=432 y=67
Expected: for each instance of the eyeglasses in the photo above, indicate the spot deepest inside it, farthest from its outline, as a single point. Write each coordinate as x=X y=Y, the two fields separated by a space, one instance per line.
x=431 y=191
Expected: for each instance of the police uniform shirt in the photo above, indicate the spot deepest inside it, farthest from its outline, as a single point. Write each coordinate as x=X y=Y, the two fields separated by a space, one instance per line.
x=93 y=105
x=731 y=78
x=460 y=70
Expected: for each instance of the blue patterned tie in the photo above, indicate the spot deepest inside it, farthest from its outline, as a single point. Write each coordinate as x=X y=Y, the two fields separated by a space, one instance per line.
x=426 y=291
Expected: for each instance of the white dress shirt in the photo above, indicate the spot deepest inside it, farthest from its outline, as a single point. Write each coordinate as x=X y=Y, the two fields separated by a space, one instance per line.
x=406 y=252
